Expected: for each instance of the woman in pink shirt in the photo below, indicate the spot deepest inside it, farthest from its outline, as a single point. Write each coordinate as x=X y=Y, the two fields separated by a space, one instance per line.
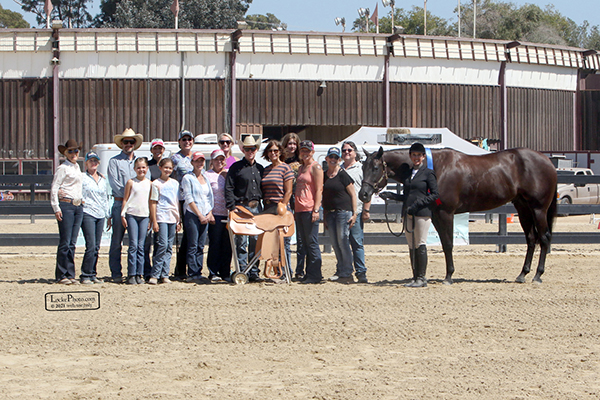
x=309 y=193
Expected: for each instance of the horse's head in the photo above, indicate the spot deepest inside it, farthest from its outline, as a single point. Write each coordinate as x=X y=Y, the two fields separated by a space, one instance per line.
x=374 y=175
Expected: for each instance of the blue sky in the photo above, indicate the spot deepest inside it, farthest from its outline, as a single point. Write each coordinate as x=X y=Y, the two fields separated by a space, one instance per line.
x=318 y=15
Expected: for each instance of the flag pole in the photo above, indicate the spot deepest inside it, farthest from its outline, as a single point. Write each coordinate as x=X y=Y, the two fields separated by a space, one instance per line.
x=175 y=11
x=48 y=10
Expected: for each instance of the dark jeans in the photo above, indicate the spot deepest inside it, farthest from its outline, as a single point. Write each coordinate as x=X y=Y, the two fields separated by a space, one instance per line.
x=116 y=241
x=181 y=261
x=151 y=241
x=219 y=248
x=196 y=235
x=92 y=232
x=137 y=227
x=300 y=254
x=68 y=230
x=308 y=231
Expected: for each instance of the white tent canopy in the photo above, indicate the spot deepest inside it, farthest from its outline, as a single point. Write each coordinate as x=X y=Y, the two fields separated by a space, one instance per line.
x=368 y=136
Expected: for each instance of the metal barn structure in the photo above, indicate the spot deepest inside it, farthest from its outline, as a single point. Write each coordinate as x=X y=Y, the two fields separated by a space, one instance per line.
x=90 y=84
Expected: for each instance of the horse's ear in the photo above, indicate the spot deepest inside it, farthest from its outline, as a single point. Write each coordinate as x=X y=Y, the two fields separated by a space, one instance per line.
x=366 y=152
x=379 y=152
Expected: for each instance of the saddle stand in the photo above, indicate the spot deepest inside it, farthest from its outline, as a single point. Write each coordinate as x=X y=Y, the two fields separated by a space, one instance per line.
x=271 y=230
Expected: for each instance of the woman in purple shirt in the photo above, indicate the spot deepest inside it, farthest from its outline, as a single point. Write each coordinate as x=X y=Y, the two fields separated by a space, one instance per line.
x=219 y=249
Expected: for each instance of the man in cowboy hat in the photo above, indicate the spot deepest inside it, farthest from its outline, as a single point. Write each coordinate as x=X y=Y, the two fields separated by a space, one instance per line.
x=242 y=187
x=120 y=170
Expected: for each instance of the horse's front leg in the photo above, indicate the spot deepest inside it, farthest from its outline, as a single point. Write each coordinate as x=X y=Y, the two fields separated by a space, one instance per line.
x=444 y=224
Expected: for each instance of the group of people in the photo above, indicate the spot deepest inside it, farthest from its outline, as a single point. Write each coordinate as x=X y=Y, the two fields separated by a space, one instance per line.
x=152 y=199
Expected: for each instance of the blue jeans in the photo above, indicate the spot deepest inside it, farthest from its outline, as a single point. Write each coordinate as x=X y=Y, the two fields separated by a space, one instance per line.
x=92 y=232
x=163 y=250
x=357 y=237
x=68 y=230
x=116 y=241
x=246 y=249
x=196 y=238
x=219 y=248
x=339 y=231
x=308 y=232
x=137 y=227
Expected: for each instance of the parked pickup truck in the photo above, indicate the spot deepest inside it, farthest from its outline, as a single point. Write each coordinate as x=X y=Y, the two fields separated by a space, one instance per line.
x=577 y=193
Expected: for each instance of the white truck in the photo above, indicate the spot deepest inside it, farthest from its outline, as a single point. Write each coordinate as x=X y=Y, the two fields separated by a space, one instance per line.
x=577 y=193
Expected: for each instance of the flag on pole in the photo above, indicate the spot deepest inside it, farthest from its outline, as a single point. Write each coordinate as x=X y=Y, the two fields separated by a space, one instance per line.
x=175 y=7
x=48 y=10
x=175 y=11
x=375 y=17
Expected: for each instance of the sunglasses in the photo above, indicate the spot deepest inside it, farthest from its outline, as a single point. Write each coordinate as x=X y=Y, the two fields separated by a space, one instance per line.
x=224 y=141
x=128 y=141
x=73 y=151
x=333 y=156
x=250 y=149
x=273 y=151
x=347 y=151
x=186 y=139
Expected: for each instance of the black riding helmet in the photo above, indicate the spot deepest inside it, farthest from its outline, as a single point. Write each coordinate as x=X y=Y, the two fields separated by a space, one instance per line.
x=417 y=148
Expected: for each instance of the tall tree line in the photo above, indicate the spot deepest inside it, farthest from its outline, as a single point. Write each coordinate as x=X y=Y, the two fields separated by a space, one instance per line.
x=496 y=20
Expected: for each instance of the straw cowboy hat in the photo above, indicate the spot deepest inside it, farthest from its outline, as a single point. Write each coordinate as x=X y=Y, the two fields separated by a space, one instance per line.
x=250 y=140
x=71 y=144
x=129 y=134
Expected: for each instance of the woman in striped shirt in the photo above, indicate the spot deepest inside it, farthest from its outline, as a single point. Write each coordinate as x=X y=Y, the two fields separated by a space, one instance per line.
x=277 y=184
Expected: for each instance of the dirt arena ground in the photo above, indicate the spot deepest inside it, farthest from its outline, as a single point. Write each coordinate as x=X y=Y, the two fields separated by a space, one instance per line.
x=485 y=337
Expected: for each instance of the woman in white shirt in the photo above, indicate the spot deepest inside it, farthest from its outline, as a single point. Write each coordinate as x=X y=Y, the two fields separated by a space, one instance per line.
x=68 y=210
x=198 y=206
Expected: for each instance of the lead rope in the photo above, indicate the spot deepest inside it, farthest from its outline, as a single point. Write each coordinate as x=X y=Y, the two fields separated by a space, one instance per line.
x=388 y=222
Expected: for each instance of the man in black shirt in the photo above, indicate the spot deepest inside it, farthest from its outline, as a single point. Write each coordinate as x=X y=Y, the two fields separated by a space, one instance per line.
x=242 y=187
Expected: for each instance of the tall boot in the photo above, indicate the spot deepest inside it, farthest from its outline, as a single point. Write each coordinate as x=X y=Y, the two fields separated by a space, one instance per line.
x=420 y=267
x=411 y=253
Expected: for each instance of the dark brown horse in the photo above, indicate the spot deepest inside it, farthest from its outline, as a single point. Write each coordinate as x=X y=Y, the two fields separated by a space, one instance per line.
x=478 y=183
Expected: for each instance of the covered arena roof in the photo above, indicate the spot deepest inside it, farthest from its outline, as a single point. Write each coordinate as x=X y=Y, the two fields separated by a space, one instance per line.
x=288 y=42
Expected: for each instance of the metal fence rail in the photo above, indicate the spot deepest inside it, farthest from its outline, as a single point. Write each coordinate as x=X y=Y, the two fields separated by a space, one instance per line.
x=501 y=238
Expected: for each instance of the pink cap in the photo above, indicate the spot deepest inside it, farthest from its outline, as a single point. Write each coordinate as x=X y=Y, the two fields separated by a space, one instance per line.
x=198 y=155
x=157 y=142
x=217 y=153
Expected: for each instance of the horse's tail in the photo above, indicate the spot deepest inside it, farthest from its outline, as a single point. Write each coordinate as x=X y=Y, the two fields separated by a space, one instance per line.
x=551 y=215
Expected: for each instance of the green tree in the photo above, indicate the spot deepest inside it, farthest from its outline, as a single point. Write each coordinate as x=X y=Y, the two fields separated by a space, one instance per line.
x=529 y=23
x=592 y=40
x=193 y=14
x=106 y=17
x=11 y=19
x=412 y=21
x=264 y=22
x=72 y=12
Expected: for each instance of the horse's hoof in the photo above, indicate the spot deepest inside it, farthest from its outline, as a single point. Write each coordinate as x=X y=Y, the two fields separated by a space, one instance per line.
x=520 y=279
x=447 y=281
x=536 y=279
